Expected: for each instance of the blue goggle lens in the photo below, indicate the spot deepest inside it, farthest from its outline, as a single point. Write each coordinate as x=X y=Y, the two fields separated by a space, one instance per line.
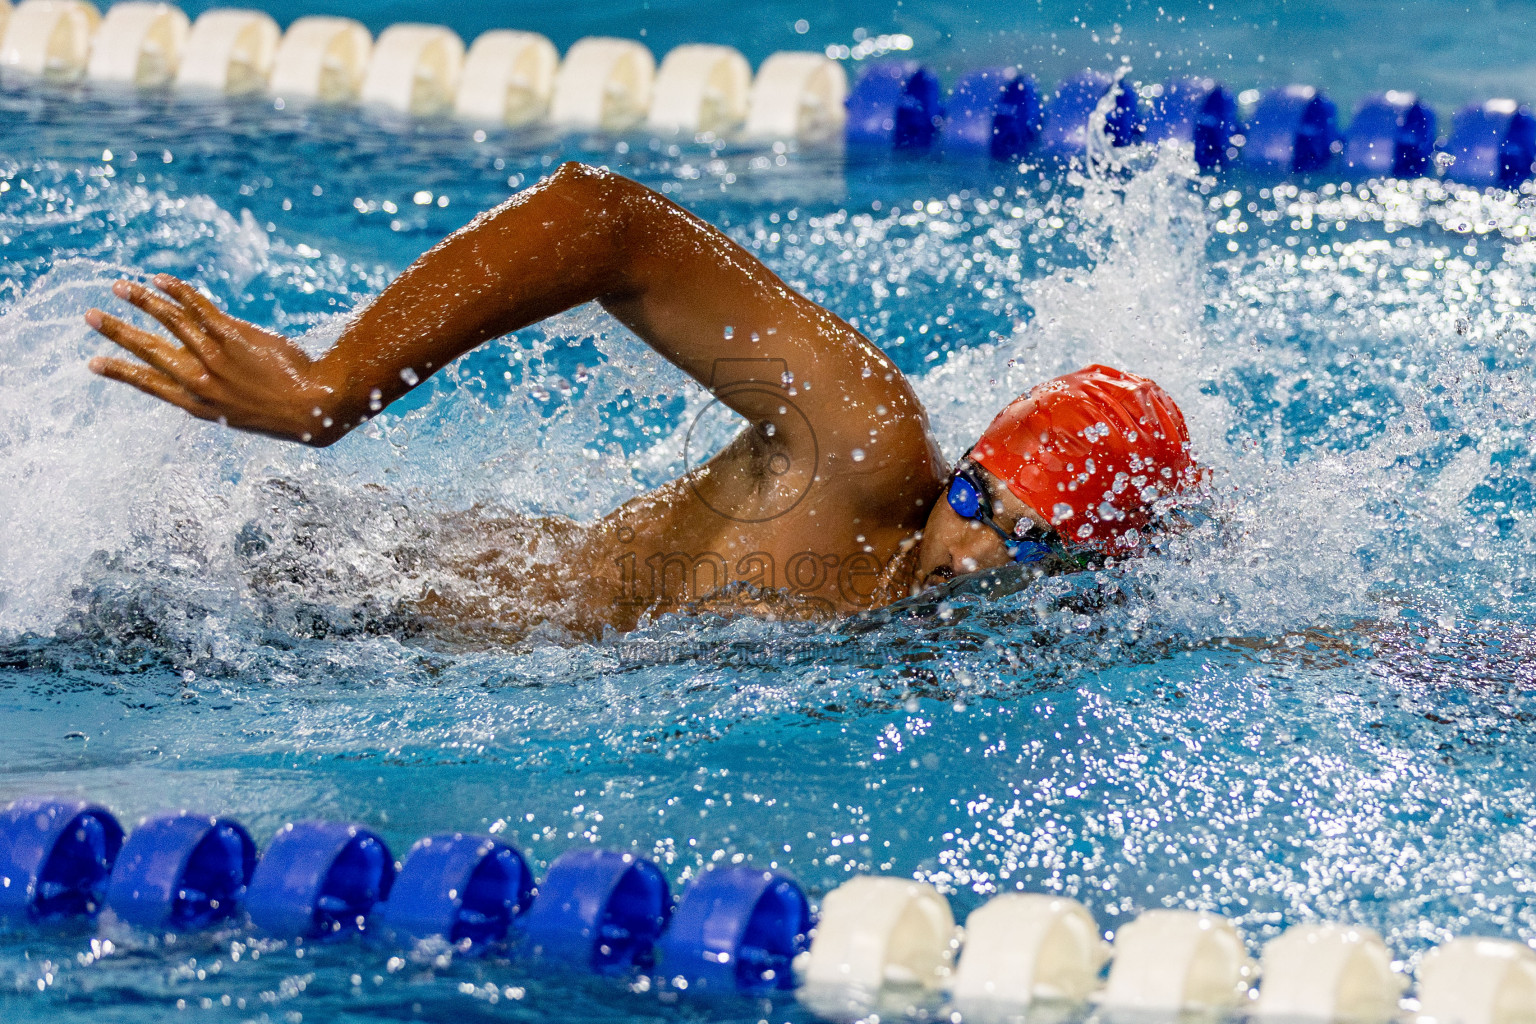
x=963 y=498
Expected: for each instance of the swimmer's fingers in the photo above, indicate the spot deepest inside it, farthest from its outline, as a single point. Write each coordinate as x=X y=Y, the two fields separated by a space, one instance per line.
x=169 y=359
x=152 y=382
x=210 y=318
x=174 y=317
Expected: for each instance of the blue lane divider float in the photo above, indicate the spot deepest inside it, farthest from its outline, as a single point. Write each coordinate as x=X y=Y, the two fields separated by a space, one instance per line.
x=319 y=879
x=1494 y=144
x=55 y=859
x=999 y=113
x=1391 y=133
x=737 y=929
x=599 y=909
x=181 y=871
x=1292 y=130
x=460 y=887
x=994 y=112
x=1200 y=111
x=895 y=105
x=1073 y=104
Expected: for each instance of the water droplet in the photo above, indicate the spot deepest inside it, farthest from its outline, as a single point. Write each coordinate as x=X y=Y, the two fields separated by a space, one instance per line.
x=409 y=376
x=857 y=454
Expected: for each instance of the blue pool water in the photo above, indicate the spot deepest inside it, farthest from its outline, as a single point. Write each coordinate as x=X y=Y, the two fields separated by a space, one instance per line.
x=1317 y=706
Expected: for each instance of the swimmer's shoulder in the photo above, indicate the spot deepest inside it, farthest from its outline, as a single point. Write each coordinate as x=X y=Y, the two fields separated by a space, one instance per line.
x=879 y=440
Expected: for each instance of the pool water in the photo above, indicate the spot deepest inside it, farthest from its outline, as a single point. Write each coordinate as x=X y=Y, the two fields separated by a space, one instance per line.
x=1314 y=705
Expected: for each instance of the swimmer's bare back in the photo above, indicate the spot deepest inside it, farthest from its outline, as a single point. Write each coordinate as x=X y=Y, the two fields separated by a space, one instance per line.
x=815 y=505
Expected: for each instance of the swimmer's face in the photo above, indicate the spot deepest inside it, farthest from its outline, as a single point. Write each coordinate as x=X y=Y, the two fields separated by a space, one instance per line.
x=953 y=546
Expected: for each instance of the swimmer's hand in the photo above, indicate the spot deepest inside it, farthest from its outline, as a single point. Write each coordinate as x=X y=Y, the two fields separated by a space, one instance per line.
x=224 y=369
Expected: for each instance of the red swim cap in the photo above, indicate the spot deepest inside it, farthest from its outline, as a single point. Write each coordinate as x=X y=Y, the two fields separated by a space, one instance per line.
x=1091 y=452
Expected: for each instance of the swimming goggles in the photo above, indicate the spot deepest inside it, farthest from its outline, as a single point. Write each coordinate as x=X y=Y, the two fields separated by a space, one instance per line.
x=969 y=497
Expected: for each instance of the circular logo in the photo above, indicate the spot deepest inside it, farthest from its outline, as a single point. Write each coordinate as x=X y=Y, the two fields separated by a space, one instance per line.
x=787 y=478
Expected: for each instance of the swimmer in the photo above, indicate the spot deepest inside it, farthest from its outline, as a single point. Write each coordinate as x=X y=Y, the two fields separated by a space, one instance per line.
x=832 y=499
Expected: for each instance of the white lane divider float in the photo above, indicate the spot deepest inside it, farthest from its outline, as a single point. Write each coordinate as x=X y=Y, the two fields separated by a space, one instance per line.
x=1176 y=960
x=700 y=88
x=797 y=96
x=1023 y=947
x=322 y=58
x=139 y=44
x=603 y=84
x=1478 y=981
x=876 y=931
x=1329 y=972
x=415 y=69
x=508 y=78
x=48 y=40
x=229 y=51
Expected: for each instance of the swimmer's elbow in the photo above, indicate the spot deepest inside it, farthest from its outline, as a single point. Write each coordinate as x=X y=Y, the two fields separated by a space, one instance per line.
x=589 y=182
x=612 y=207
x=600 y=189
x=575 y=170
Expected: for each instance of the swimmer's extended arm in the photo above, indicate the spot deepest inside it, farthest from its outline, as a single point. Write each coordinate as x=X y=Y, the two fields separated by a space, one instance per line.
x=582 y=234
